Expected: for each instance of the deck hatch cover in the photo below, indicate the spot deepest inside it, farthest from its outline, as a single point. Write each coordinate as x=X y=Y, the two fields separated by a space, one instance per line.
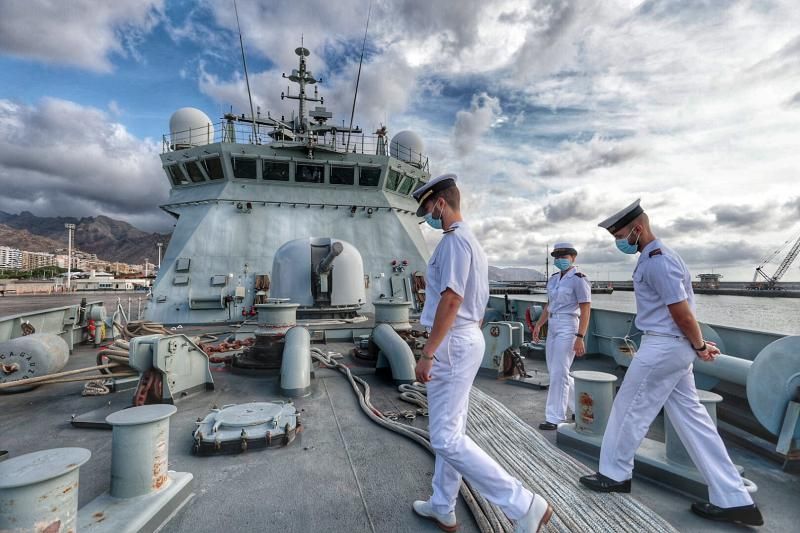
x=248 y=426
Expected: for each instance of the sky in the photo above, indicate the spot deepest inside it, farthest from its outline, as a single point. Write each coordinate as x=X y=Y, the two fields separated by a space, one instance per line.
x=554 y=114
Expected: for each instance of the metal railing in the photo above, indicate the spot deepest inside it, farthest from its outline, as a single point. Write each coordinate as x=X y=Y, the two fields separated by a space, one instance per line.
x=232 y=132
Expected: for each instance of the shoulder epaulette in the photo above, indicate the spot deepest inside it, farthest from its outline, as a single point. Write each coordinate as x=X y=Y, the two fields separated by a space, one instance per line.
x=580 y=274
x=451 y=230
x=556 y=274
x=655 y=252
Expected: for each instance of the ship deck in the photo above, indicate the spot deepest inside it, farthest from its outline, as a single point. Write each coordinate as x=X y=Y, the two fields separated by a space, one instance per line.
x=342 y=474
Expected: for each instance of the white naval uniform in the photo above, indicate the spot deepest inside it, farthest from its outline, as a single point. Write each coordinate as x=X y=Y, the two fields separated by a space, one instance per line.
x=564 y=294
x=661 y=375
x=458 y=263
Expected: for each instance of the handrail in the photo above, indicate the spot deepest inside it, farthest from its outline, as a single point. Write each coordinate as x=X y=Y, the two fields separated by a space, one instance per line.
x=334 y=140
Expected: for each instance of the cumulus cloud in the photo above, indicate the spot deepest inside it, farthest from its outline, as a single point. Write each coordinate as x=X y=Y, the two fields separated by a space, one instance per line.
x=82 y=33
x=576 y=205
x=690 y=105
x=471 y=124
x=687 y=225
x=61 y=158
x=576 y=159
x=793 y=207
x=742 y=216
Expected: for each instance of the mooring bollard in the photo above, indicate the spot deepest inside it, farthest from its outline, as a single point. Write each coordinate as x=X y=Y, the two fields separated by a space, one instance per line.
x=594 y=395
x=139 y=449
x=675 y=450
x=39 y=490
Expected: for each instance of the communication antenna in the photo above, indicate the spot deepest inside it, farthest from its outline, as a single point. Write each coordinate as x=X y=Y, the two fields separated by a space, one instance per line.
x=358 y=77
x=246 y=77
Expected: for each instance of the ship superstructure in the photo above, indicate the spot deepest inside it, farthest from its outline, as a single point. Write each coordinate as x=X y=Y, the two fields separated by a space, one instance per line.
x=242 y=188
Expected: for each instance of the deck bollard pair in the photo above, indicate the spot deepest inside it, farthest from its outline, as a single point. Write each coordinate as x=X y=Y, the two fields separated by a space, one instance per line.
x=667 y=461
x=39 y=490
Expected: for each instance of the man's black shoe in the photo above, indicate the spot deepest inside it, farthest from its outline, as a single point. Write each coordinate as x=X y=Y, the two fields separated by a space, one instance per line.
x=746 y=514
x=548 y=426
x=600 y=483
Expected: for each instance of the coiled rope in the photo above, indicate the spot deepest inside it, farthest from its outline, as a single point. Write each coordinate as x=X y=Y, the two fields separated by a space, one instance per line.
x=527 y=455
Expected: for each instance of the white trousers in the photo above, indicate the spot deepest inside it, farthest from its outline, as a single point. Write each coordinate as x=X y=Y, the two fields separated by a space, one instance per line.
x=559 y=354
x=661 y=375
x=457 y=361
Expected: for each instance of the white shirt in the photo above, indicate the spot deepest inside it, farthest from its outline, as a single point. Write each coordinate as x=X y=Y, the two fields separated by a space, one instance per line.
x=564 y=293
x=660 y=278
x=457 y=263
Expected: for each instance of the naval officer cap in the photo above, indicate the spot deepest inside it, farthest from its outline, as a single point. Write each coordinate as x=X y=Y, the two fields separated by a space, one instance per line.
x=426 y=190
x=563 y=248
x=623 y=217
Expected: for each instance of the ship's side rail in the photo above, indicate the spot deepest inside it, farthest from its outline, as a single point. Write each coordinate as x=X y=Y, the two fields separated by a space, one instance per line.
x=67 y=322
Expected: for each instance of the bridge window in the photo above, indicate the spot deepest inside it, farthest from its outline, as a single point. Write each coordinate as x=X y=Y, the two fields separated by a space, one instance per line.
x=244 y=168
x=276 y=171
x=309 y=173
x=369 y=176
x=176 y=175
x=393 y=179
x=195 y=174
x=408 y=184
x=213 y=167
x=342 y=175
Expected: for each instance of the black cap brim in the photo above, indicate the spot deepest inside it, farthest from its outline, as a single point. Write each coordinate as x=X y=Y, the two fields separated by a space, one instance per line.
x=427 y=194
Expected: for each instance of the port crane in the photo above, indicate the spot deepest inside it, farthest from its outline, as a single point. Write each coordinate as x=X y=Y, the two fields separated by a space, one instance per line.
x=762 y=280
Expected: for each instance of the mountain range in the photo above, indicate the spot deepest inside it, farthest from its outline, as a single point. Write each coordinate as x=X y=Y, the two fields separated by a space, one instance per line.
x=115 y=240
x=110 y=239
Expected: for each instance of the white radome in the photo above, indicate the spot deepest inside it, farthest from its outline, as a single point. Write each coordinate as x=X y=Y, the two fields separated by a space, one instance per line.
x=188 y=127
x=407 y=146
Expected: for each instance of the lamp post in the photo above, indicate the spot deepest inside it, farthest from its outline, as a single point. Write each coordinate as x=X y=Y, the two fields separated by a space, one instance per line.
x=70 y=233
x=160 y=245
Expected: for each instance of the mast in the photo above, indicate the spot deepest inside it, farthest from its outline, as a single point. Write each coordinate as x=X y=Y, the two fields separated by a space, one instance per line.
x=302 y=77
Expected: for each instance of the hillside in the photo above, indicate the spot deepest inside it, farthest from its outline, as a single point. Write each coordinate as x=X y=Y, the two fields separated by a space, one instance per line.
x=514 y=274
x=111 y=240
x=25 y=240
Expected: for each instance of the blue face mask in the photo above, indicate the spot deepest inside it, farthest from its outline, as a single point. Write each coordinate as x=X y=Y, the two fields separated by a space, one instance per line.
x=627 y=248
x=562 y=263
x=435 y=223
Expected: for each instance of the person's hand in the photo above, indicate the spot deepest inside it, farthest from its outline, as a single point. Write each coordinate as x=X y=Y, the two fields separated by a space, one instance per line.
x=710 y=353
x=535 y=333
x=423 y=370
x=579 y=347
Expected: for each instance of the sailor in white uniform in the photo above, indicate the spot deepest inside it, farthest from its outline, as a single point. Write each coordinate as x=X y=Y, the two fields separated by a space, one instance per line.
x=660 y=375
x=569 y=297
x=456 y=295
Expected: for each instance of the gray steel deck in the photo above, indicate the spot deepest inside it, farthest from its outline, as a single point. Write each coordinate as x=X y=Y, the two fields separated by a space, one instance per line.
x=343 y=474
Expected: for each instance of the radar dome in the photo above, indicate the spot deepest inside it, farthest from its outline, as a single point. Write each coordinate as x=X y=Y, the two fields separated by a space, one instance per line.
x=407 y=146
x=190 y=127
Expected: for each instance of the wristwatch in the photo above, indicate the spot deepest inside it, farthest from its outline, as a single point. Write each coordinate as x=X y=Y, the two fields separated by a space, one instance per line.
x=579 y=335
x=700 y=349
x=426 y=357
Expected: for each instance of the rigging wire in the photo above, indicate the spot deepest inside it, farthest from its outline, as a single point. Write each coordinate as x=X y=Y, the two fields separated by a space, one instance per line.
x=246 y=77
x=358 y=78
